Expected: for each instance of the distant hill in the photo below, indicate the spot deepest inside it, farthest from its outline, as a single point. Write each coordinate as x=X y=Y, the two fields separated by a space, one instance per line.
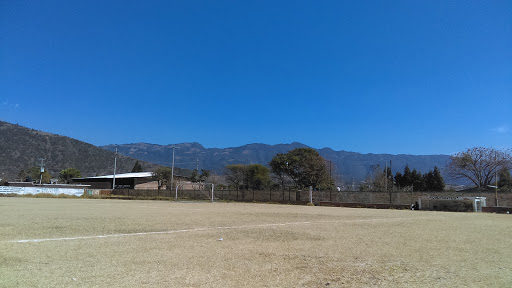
x=20 y=148
x=350 y=165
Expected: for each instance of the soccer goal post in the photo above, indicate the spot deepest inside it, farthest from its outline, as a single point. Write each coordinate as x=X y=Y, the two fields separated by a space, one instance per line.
x=208 y=190
x=213 y=186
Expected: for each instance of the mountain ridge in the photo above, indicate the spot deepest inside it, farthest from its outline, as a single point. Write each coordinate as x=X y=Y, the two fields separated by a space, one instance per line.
x=20 y=147
x=350 y=165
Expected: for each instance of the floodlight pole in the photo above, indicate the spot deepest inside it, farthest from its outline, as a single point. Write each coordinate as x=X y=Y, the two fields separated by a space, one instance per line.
x=176 y=192
x=212 y=191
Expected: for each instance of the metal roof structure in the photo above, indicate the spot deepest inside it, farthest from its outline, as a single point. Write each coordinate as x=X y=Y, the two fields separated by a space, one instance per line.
x=119 y=176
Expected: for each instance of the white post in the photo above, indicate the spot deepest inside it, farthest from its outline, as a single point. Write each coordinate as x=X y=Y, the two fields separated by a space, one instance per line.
x=311 y=194
x=176 y=192
x=212 y=192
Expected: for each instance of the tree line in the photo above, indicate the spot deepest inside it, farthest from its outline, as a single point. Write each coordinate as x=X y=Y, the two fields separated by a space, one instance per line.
x=304 y=167
x=383 y=180
x=301 y=168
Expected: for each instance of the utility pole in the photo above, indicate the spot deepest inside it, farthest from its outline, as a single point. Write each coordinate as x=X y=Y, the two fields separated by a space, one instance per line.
x=115 y=166
x=197 y=165
x=391 y=170
x=386 y=171
x=42 y=170
x=496 y=178
x=330 y=174
x=330 y=181
x=172 y=168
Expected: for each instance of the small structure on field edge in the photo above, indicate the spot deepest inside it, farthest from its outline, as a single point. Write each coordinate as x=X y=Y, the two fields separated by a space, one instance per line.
x=452 y=203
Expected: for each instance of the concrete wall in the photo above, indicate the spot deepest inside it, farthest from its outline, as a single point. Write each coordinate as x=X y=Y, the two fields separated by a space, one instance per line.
x=38 y=190
x=403 y=198
x=390 y=198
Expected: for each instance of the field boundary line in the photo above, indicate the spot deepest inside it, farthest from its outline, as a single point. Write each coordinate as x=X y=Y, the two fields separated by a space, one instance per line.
x=205 y=229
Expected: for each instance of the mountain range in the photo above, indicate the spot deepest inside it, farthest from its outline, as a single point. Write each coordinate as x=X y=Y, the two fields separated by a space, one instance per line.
x=21 y=148
x=349 y=166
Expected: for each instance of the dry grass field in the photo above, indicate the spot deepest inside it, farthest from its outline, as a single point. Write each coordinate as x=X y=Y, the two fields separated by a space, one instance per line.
x=116 y=243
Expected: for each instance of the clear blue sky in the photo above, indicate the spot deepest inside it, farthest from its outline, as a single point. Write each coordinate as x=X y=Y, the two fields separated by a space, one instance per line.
x=413 y=77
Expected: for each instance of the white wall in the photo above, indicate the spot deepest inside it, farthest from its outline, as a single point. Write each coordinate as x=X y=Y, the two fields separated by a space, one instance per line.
x=37 y=190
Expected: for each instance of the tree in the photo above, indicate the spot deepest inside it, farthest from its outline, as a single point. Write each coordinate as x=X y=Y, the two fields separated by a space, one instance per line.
x=478 y=165
x=407 y=178
x=163 y=176
x=437 y=180
x=137 y=167
x=377 y=178
x=68 y=174
x=258 y=176
x=235 y=175
x=211 y=177
x=428 y=179
x=418 y=181
x=504 y=179
x=279 y=167
x=254 y=176
x=22 y=175
x=399 y=179
x=307 y=168
x=194 y=177
x=34 y=174
x=204 y=175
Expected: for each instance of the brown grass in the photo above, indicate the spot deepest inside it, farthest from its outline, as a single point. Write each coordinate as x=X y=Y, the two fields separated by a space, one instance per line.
x=263 y=246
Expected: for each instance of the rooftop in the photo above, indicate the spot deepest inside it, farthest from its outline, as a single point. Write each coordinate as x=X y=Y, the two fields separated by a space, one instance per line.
x=123 y=175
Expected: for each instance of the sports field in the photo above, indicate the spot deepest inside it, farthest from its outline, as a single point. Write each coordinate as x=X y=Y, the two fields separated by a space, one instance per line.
x=119 y=243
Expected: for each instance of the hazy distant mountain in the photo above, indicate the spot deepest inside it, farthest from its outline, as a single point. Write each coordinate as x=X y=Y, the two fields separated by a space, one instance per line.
x=20 y=148
x=350 y=165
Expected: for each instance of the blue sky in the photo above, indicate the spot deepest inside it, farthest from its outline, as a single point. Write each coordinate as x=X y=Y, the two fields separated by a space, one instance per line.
x=411 y=77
